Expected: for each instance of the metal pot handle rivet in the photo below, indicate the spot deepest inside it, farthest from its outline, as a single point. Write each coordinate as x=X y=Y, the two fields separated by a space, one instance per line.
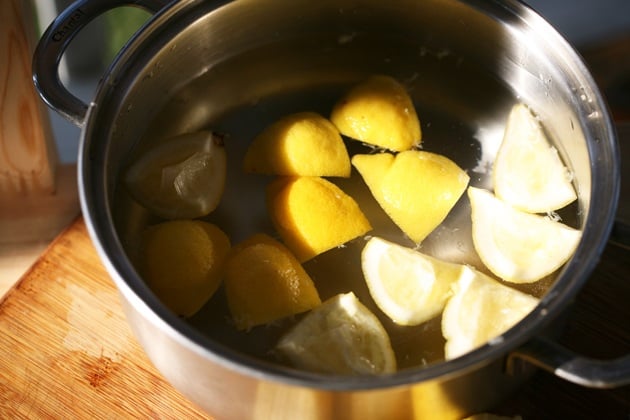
x=56 y=39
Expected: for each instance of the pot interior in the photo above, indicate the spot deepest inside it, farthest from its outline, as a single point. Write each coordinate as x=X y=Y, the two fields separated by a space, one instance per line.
x=239 y=68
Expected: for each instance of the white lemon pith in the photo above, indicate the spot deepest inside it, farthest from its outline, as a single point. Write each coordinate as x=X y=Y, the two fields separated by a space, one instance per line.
x=341 y=336
x=528 y=172
x=182 y=178
x=407 y=286
x=516 y=246
x=480 y=309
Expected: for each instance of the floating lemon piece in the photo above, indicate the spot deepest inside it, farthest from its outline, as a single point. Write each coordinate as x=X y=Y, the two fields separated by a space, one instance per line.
x=264 y=282
x=182 y=178
x=417 y=189
x=380 y=112
x=407 y=286
x=480 y=309
x=313 y=215
x=181 y=261
x=516 y=246
x=528 y=173
x=302 y=144
x=340 y=337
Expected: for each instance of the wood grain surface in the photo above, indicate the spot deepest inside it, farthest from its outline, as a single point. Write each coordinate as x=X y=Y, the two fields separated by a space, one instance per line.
x=28 y=157
x=66 y=350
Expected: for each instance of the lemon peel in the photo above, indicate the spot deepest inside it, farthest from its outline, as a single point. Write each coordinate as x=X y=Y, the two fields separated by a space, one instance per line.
x=264 y=282
x=300 y=144
x=181 y=261
x=417 y=189
x=378 y=111
x=312 y=215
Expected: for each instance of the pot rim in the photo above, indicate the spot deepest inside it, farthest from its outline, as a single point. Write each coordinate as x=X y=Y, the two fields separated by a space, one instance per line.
x=100 y=225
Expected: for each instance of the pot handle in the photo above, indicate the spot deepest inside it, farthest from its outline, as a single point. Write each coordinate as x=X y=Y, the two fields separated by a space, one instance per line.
x=564 y=363
x=56 y=39
x=620 y=234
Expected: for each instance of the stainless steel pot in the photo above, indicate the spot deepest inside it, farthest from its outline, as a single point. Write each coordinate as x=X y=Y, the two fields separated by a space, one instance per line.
x=237 y=65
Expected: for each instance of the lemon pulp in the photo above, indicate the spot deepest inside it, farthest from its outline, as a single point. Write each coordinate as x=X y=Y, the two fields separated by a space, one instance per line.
x=480 y=309
x=528 y=172
x=408 y=286
x=517 y=246
x=182 y=178
x=341 y=336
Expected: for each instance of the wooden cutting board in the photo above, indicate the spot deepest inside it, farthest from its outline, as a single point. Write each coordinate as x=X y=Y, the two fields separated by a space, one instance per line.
x=67 y=352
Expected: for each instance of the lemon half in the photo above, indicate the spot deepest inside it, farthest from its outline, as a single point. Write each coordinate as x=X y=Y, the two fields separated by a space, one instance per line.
x=480 y=309
x=516 y=246
x=528 y=172
x=341 y=336
x=408 y=286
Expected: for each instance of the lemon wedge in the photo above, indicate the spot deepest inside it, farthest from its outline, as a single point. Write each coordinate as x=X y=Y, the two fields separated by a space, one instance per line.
x=301 y=144
x=182 y=178
x=407 y=286
x=480 y=309
x=182 y=262
x=516 y=246
x=528 y=172
x=312 y=215
x=417 y=189
x=378 y=111
x=264 y=282
x=341 y=336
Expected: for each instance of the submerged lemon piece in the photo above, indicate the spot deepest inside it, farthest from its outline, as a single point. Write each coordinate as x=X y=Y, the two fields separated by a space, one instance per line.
x=264 y=282
x=480 y=309
x=380 y=112
x=417 y=189
x=181 y=261
x=528 y=173
x=341 y=336
x=313 y=215
x=302 y=144
x=516 y=246
x=407 y=286
x=182 y=178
